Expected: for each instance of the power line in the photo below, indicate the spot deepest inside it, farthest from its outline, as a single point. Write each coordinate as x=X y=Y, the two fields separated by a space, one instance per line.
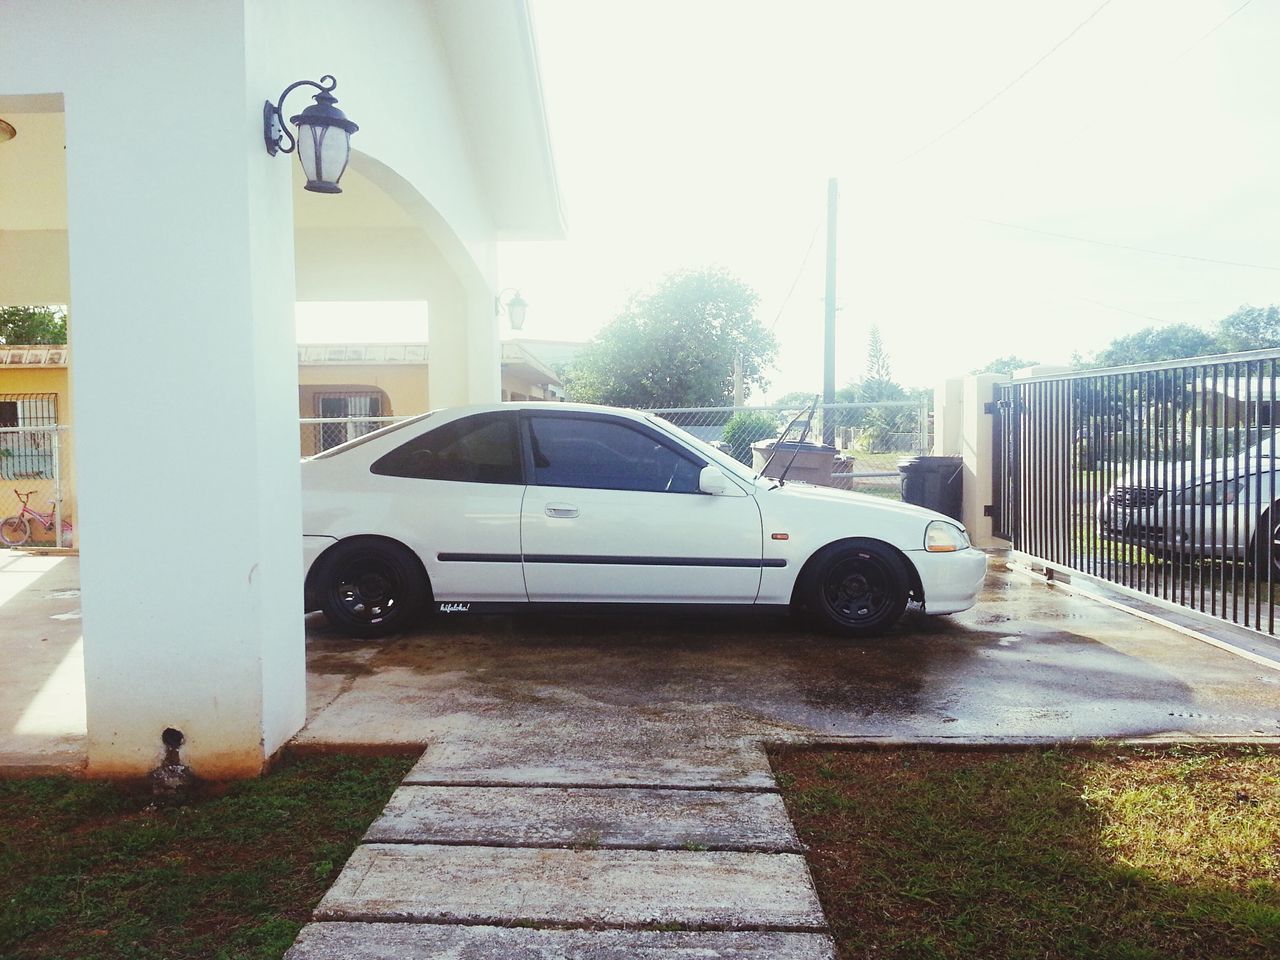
x=1150 y=77
x=1127 y=246
x=803 y=262
x=1132 y=313
x=1221 y=23
x=1008 y=86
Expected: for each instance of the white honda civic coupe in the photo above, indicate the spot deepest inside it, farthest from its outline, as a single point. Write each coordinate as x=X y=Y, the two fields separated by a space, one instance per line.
x=515 y=506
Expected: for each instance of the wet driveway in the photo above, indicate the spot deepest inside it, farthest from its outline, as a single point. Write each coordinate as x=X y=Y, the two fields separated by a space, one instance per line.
x=548 y=699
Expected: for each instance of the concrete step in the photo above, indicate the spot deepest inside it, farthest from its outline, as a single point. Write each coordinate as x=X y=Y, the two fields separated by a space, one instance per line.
x=610 y=888
x=585 y=758
x=409 y=941
x=609 y=817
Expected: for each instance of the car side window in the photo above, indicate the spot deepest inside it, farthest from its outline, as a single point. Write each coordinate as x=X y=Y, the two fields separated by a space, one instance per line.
x=1212 y=494
x=484 y=448
x=606 y=455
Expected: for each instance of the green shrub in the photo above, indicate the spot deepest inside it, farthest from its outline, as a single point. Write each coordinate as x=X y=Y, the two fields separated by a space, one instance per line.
x=744 y=429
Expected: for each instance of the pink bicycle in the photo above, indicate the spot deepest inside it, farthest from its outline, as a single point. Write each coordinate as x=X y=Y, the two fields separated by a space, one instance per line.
x=16 y=530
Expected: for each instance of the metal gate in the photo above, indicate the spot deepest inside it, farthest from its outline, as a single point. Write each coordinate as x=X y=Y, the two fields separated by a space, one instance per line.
x=1160 y=478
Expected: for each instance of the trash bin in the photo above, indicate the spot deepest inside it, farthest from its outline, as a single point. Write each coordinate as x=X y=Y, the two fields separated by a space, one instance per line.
x=933 y=482
x=812 y=463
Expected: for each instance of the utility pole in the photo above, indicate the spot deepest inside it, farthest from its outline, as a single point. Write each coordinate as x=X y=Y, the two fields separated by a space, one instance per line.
x=829 y=345
x=738 y=391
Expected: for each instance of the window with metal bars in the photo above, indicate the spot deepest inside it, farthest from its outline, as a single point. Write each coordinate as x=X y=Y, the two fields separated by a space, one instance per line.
x=356 y=408
x=27 y=425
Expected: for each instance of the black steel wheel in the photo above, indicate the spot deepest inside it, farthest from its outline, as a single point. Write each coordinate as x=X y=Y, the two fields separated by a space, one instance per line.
x=1263 y=554
x=857 y=589
x=370 y=588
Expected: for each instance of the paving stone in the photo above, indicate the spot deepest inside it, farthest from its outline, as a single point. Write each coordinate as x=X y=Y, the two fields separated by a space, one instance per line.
x=410 y=941
x=500 y=885
x=578 y=817
x=567 y=760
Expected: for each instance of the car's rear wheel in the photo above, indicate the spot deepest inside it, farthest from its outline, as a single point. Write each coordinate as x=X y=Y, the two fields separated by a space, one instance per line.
x=857 y=589
x=370 y=588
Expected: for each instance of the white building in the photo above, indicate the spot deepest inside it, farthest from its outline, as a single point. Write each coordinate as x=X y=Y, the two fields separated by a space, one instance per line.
x=138 y=190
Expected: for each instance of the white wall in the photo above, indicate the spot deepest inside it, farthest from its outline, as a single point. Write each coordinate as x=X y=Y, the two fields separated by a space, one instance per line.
x=181 y=267
x=184 y=377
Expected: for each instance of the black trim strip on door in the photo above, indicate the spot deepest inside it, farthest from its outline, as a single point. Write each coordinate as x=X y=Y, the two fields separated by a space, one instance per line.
x=652 y=561
x=608 y=560
x=478 y=557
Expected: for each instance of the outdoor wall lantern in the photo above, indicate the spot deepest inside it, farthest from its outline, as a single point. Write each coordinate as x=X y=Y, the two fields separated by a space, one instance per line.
x=323 y=142
x=515 y=307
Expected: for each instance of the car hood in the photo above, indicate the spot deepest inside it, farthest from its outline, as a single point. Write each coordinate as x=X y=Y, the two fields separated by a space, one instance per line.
x=890 y=508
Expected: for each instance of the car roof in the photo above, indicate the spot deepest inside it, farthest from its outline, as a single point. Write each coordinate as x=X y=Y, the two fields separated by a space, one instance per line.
x=541 y=406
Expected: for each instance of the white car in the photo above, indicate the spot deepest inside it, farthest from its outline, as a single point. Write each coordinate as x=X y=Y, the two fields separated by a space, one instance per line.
x=532 y=505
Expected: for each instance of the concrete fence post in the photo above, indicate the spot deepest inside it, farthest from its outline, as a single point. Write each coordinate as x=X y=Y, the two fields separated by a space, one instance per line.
x=976 y=430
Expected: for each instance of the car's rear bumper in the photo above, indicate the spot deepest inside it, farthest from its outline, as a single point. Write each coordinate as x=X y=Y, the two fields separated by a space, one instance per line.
x=951 y=581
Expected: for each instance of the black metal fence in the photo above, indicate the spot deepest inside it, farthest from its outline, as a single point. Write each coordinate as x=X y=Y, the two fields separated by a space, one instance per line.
x=1157 y=477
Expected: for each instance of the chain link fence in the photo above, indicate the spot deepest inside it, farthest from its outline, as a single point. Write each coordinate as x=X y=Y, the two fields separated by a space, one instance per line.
x=37 y=504
x=321 y=433
x=866 y=440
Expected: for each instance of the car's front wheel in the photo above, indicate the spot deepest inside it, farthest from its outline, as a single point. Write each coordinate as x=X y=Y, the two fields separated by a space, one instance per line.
x=856 y=589
x=370 y=588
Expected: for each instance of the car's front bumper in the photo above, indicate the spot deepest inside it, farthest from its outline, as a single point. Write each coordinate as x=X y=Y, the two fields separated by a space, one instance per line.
x=951 y=581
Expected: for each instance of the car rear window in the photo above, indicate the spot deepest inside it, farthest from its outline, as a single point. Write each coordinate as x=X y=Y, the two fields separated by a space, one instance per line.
x=483 y=448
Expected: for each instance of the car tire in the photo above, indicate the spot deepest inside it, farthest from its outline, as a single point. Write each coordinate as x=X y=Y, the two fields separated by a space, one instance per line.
x=1268 y=523
x=857 y=588
x=370 y=588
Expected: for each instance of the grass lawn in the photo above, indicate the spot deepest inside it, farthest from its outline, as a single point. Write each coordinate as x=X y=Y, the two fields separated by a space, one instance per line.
x=1108 y=853
x=93 y=870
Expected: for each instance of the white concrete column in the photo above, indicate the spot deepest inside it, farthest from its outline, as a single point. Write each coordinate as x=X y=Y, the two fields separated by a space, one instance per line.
x=185 y=381
x=975 y=448
x=465 y=359
x=948 y=417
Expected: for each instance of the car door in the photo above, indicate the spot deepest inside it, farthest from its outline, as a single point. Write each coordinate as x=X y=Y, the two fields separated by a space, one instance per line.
x=453 y=494
x=613 y=513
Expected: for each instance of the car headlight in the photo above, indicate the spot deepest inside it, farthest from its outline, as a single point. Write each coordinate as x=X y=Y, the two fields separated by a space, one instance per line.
x=943 y=537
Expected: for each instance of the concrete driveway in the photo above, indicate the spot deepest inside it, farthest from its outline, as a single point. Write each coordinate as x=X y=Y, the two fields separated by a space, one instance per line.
x=1026 y=663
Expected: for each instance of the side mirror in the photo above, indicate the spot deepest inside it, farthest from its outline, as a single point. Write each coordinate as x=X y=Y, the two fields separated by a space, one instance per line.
x=713 y=481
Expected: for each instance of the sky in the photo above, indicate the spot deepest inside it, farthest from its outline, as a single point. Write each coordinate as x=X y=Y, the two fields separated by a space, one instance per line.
x=964 y=137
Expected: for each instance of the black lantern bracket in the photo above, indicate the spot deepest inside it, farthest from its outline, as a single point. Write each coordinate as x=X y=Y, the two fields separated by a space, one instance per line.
x=325 y=132
x=516 y=307
x=274 y=132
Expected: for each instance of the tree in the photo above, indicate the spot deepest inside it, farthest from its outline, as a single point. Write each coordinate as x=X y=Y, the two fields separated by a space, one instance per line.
x=1173 y=342
x=745 y=428
x=1008 y=364
x=675 y=346
x=878 y=384
x=1250 y=328
x=33 y=325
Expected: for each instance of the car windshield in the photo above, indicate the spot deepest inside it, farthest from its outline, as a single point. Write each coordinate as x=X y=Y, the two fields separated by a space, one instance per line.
x=371 y=435
x=720 y=459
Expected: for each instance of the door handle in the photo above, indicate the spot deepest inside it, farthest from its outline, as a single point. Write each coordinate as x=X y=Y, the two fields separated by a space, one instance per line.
x=561 y=510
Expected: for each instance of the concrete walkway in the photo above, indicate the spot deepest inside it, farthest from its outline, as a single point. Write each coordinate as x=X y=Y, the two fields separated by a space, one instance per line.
x=469 y=870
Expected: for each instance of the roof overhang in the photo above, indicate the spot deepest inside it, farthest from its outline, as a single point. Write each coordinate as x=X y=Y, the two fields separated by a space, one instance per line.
x=494 y=61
